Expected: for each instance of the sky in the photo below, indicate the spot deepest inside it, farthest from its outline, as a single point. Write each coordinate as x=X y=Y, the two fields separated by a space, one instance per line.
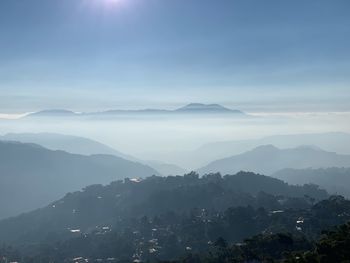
x=257 y=56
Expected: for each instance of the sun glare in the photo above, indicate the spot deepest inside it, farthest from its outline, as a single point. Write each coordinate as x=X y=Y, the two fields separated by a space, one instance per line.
x=104 y=3
x=111 y=1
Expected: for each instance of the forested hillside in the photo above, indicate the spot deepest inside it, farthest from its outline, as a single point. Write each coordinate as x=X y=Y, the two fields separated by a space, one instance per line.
x=166 y=217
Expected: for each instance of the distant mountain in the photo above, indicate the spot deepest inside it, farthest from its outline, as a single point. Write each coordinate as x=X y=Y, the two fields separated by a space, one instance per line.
x=333 y=141
x=68 y=143
x=268 y=159
x=334 y=180
x=109 y=206
x=206 y=108
x=192 y=108
x=85 y=146
x=166 y=168
x=32 y=176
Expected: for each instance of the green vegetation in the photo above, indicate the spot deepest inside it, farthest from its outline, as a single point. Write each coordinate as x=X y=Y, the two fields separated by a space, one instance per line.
x=211 y=219
x=333 y=246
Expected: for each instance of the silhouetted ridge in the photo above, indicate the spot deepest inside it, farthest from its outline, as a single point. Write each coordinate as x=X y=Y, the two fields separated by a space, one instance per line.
x=199 y=107
x=268 y=159
x=188 y=109
x=100 y=205
x=68 y=143
x=34 y=176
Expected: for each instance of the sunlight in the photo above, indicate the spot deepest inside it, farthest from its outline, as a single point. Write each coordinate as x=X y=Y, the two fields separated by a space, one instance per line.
x=106 y=4
x=174 y=131
x=111 y=2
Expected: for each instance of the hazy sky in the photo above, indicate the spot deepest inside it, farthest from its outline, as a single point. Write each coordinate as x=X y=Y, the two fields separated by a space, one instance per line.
x=269 y=55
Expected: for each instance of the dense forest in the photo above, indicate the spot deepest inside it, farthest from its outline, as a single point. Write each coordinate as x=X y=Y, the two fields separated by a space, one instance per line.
x=103 y=205
x=332 y=246
x=174 y=218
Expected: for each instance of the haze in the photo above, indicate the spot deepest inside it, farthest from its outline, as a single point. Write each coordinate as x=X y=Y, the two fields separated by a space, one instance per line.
x=174 y=131
x=89 y=55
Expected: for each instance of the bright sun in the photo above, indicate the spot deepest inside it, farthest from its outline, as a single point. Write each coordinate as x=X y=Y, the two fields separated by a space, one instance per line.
x=104 y=4
x=112 y=1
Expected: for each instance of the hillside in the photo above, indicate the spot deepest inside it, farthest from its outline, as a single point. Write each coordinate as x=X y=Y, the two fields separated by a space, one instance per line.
x=67 y=143
x=85 y=146
x=164 y=218
x=201 y=236
x=332 y=246
x=99 y=205
x=34 y=176
x=269 y=159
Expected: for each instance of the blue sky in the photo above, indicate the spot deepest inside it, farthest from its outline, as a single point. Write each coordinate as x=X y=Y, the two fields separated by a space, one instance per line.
x=255 y=55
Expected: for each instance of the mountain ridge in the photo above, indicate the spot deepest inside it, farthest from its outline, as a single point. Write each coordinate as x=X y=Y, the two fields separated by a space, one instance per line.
x=34 y=176
x=85 y=146
x=336 y=180
x=193 y=108
x=267 y=159
x=68 y=143
x=98 y=205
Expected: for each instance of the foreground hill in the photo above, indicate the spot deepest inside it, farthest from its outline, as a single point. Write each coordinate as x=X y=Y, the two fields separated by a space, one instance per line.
x=332 y=246
x=334 y=180
x=99 y=205
x=32 y=176
x=165 y=218
x=269 y=159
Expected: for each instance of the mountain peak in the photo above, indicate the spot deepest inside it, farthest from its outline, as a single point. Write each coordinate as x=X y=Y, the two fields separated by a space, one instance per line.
x=200 y=107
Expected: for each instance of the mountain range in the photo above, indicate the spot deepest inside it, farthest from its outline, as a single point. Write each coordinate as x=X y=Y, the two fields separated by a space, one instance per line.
x=85 y=146
x=268 y=159
x=32 y=176
x=68 y=143
x=192 y=108
x=331 y=141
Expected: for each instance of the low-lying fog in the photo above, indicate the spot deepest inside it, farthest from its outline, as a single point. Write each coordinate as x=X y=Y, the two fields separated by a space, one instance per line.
x=163 y=138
